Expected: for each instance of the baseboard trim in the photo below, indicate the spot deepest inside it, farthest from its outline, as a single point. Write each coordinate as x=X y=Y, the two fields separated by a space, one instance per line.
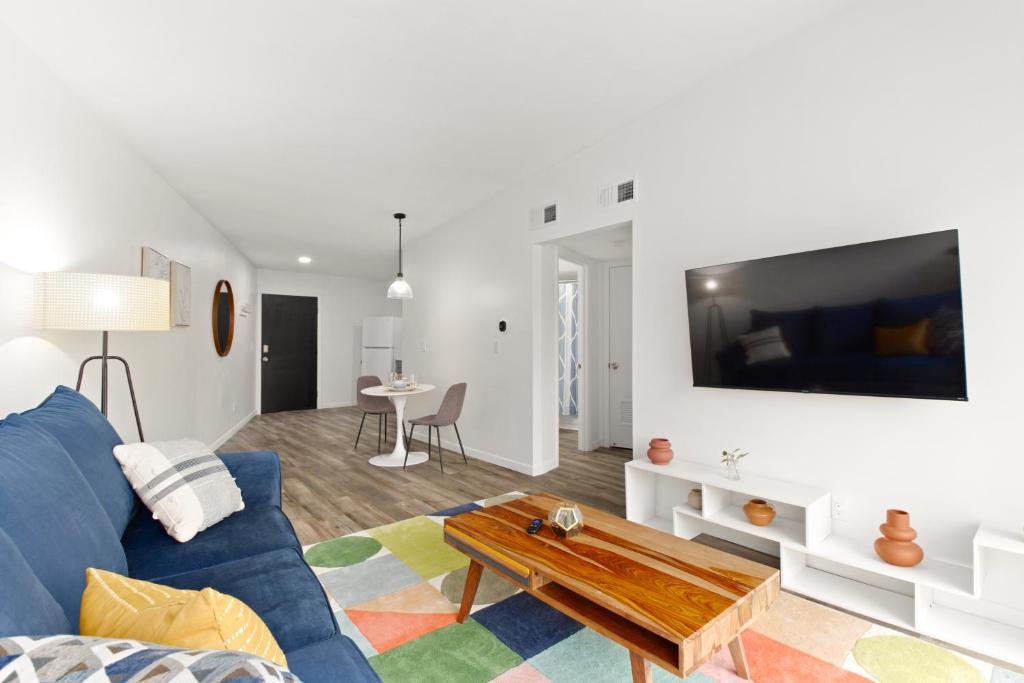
x=452 y=446
x=231 y=432
x=336 y=404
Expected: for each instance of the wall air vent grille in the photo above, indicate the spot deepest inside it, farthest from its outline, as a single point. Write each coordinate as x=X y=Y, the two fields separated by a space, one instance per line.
x=550 y=213
x=617 y=193
x=625 y=191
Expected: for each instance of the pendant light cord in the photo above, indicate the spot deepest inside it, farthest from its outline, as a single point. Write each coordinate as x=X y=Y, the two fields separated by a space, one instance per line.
x=400 y=247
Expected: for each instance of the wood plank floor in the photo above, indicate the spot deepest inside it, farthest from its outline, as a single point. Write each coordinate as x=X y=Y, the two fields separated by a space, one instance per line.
x=330 y=489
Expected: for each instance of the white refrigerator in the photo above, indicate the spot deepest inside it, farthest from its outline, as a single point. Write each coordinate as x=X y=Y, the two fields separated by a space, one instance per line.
x=382 y=337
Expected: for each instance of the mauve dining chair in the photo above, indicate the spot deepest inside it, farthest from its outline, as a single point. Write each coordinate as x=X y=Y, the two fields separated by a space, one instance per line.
x=447 y=414
x=373 y=405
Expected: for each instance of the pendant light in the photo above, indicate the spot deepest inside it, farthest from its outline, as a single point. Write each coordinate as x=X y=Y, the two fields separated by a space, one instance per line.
x=399 y=289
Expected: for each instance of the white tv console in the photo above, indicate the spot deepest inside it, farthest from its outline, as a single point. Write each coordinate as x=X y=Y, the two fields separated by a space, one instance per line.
x=979 y=607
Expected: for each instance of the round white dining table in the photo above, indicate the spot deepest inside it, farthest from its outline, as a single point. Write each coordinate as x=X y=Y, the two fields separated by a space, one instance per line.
x=397 y=458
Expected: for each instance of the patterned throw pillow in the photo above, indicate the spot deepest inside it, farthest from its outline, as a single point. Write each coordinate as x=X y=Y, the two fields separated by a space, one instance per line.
x=183 y=483
x=81 y=658
x=764 y=345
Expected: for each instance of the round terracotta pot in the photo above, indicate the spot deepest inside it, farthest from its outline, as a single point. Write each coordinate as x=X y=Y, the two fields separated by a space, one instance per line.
x=896 y=546
x=695 y=499
x=759 y=512
x=660 y=451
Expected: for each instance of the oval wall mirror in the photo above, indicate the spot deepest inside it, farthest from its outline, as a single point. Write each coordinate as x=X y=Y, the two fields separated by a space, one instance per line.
x=223 y=317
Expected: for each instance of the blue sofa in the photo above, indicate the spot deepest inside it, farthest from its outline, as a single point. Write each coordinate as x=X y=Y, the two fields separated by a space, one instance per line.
x=66 y=506
x=833 y=350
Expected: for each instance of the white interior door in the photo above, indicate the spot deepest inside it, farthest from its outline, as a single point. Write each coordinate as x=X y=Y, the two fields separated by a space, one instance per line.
x=620 y=356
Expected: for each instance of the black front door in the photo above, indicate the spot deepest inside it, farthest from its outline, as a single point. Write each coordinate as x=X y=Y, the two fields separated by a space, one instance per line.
x=288 y=353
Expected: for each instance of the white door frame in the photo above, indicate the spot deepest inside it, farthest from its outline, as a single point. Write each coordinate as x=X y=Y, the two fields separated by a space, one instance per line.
x=544 y=345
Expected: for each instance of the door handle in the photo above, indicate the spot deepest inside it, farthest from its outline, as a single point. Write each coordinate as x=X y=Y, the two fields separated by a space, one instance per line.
x=265 y=359
x=613 y=365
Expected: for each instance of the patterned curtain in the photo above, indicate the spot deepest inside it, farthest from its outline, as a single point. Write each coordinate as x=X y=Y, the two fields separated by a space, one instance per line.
x=568 y=347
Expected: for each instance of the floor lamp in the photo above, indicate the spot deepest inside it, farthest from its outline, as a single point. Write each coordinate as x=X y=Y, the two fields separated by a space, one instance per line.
x=104 y=303
x=713 y=288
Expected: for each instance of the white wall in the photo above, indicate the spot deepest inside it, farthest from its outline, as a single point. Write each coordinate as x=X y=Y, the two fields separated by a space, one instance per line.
x=343 y=303
x=888 y=119
x=73 y=196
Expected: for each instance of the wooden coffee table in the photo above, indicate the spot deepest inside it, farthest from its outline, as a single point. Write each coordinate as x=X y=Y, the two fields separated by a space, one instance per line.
x=667 y=600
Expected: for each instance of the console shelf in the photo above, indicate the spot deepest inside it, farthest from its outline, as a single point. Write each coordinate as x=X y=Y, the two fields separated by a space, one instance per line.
x=979 y=607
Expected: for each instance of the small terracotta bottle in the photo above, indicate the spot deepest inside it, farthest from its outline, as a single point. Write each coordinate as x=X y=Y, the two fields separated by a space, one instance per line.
x=660 y=451
x=896 y=545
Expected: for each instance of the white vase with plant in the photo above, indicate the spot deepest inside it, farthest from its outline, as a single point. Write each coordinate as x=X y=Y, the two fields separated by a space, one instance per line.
x=732 y=462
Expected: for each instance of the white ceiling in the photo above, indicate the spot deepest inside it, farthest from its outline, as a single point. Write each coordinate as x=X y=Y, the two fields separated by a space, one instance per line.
x=300 y=126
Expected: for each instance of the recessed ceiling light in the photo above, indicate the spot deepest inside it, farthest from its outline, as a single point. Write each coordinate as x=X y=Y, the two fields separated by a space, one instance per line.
x=304 y=260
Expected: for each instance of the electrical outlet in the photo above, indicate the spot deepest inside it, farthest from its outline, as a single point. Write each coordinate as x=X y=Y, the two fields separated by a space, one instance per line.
x=839 y=510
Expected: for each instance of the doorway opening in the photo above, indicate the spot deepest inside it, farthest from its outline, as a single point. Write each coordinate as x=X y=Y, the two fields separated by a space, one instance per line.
x=569 y=363
x=593 y=301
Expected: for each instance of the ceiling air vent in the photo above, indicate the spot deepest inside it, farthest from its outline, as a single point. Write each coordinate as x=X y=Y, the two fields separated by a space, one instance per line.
x=550 y=213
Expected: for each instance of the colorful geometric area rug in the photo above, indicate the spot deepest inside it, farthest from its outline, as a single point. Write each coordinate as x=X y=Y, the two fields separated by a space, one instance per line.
x=396 y=589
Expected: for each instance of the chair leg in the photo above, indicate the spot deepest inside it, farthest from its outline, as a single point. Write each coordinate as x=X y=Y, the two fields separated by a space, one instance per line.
x=459 y=436
x=408 y=443
x=430 y=435
x=379 y=423
x=360 y=432
x=385 y=430
x=440 y=451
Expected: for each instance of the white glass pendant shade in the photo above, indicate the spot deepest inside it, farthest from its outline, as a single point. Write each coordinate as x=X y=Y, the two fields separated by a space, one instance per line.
x=399 y=289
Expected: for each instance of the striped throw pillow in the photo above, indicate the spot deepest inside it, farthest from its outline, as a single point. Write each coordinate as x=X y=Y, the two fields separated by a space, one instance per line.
x=183 y=483
x=764 y=345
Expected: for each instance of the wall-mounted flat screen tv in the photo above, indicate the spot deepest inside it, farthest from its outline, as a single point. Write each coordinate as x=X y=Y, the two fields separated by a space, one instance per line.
x=881 y=318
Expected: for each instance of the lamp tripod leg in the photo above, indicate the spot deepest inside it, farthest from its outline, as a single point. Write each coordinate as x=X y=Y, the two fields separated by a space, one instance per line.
x=104 y=382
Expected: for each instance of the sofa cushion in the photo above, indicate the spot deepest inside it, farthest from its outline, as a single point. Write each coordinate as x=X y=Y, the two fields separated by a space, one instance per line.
x=258 y=474
x=795 y=327
x=279 y=586
x=841 y=329
x=334 y=659
x=51 y=513
x=26 y=607
x=153 y=554
x=89 y=439
x=897 y=312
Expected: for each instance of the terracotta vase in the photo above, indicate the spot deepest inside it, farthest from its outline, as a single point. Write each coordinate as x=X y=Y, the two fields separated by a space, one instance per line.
x=896 y=545
x=695 y=499
x=759 y=512
x=660 y=451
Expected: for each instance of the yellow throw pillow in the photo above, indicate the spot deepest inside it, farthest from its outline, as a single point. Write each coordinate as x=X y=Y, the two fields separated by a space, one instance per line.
x=905 y=340
x=114 y=606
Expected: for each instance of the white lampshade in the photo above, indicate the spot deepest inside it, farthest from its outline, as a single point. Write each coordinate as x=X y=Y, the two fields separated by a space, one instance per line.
x=101 y=302
x=399 y=289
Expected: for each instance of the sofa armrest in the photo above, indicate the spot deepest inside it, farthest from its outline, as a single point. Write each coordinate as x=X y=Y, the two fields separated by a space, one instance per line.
x=258 y=475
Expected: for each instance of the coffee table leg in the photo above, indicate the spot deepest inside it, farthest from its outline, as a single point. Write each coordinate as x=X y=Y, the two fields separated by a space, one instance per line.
x=469 y=590
x=739 y=657
x=640 y=667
